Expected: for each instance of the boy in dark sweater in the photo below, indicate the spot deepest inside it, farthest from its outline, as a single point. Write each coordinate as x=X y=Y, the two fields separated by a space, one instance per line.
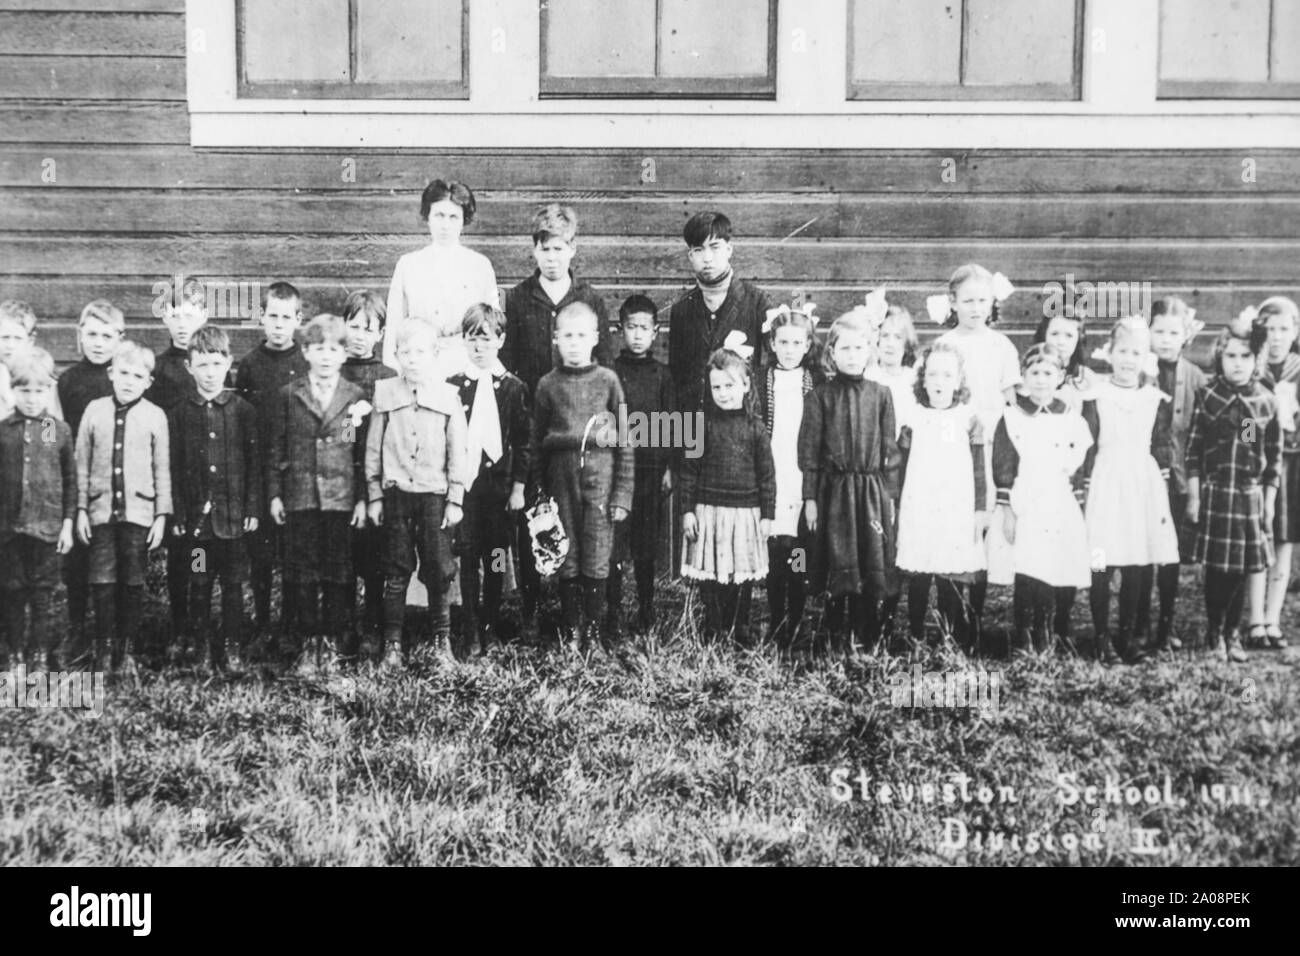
x=216 y=493
x=274 y=364
x=579 y=461
x=529 y=350
x=99 y=331
x=364 y=316
x=172 y=382
x=647 y=388
x=38 y=502
x=496 y=409
x=719 y=304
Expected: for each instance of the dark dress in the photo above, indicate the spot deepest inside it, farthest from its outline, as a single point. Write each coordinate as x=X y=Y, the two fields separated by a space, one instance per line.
x=1235 y=466
x=1286 y=514
x=849 y=459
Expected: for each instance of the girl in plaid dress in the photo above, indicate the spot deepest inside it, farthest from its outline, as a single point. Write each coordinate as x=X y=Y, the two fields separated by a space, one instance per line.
x=1233 y=454
x=1281 y=321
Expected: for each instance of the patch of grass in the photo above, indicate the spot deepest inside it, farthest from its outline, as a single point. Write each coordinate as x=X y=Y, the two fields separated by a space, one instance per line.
x=707 y=755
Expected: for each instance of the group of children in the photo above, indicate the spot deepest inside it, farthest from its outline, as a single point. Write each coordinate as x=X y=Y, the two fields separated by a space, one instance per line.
x=852 y=467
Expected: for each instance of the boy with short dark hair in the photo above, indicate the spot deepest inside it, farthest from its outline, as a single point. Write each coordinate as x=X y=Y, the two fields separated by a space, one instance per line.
x=495 y=404
x=217 y=493
x=172 y=383
x=124 y=495
x=718 y=304
x=365 y=315
x=99 y=331
x=38 y=502
x=648 y=389
x=265 y=370
x=529 y=352
x=316 y=486
x=579 y=461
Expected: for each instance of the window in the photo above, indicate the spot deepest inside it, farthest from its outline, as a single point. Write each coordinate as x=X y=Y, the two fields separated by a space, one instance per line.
x=1250 y=48
x=965 y=49
x=659 y=48
x=372 y=49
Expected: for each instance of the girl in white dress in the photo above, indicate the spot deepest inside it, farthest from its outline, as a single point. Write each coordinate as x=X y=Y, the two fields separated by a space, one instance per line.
x=942 y=513
x=438 y=284
x=991 y=362
x=1129 y=525
x=1039 y=452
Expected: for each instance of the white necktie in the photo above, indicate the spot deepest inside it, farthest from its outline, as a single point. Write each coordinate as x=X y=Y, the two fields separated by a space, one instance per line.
x=484 y=421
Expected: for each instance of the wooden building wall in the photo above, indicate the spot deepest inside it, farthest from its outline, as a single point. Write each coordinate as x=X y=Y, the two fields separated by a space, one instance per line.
x=92 y=98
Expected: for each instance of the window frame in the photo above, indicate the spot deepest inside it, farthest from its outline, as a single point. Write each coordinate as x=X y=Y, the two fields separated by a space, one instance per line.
x=351 y=90
x=857 y=90
x=1224 y=89
x=658 y=87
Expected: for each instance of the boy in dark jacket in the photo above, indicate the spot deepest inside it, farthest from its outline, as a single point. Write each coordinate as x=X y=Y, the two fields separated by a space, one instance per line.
x=529 y=349
x=648 y=389
x=314 y=479
x=364 y=316
x=262 y=373
x=38 y=502
x=496 y=409
x=172 y=382
x=216 y=492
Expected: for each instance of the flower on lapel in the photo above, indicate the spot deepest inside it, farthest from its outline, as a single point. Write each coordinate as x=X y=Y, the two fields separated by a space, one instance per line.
x=358 y=411
x=1002 y=288
x=938 y=307
x=735 y=342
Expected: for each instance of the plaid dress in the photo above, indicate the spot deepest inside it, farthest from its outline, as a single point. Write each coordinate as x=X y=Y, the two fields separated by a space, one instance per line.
x=1234 y=448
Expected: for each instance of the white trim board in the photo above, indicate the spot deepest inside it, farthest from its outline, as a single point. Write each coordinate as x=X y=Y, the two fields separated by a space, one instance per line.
x=1119 y=109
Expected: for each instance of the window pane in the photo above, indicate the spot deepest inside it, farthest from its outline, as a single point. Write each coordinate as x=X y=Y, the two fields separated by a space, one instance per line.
x=297 y=41
x=1014 y=42
x=1286 y=40
x=906 y=41
x=588 y=38
x=714 y=38
x=1200 y=40
x=408 y=41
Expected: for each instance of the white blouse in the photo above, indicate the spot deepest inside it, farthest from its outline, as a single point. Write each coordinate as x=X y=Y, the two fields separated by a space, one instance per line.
x=437 y=284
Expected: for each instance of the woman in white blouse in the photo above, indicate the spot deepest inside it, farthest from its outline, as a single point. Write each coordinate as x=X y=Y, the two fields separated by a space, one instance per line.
x=438 y=283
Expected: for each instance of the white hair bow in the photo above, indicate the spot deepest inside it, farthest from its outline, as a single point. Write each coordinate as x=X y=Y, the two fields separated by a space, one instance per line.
x=1150 y=362
x=1244 y=320
x=806 y=309
x=1194 y=324
x=1002 y=288
x=938 y=307
x=735 y=342
x=876 y=305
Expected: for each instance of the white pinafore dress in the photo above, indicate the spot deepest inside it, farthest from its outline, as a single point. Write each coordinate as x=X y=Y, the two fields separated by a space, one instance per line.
x=1128 y=503
x=936 y=514
x=1051 y=534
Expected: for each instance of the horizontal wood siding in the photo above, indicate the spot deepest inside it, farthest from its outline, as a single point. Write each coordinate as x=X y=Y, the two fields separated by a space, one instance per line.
x=92 y=97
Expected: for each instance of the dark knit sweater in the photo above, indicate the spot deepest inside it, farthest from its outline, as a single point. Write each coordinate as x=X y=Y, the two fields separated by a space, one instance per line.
x=736 y=468
x=364 y=372
x=647 y=388
x=172 y=381
x=568 y=399
x=263 y=372
x=79 y=386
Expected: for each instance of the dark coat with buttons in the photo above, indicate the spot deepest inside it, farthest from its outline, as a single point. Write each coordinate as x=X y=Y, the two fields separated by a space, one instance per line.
x=38 y=477
x=315 y=462
x=695 y=333
x=529 y=351
x=215 y=447
x=516 y=429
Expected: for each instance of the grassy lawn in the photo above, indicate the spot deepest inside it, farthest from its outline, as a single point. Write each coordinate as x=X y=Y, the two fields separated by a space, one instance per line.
x=707 y=755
